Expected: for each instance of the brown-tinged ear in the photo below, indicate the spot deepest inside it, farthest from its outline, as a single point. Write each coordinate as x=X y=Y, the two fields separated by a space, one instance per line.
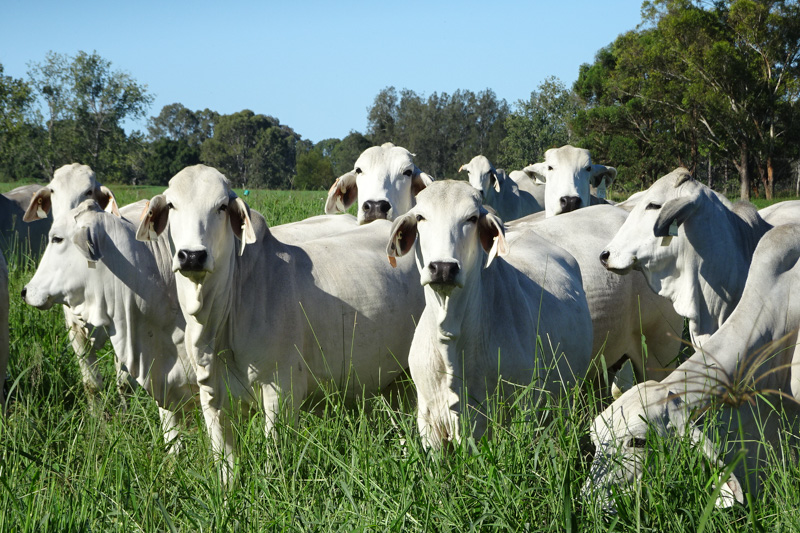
x=39 y=206
x=342 y=194
x=675 y=211
x=600 y=173
x=493 y=235
x=420 y=180
x=402 y=235
x=106 y=199
x=153 y=220
x=239 y=213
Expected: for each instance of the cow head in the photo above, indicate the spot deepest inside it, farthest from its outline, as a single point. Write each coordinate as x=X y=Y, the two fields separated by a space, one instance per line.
x=74 y=248
x=482 y=175
x=454 y=233
x=569 y=175
x=71 y=185
x=384 y=182
x=204 y=215
x=621 y=434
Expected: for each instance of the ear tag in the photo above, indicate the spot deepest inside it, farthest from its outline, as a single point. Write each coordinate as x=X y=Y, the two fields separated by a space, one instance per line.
x=392 y=261
x=673 y=228
x=339 y=203
x=242 y=242
x=492 y=252
x=92 y=264
x=39 y=211
x=146 y=211
x=602 y=190
x=151 y=231
x=666 y=240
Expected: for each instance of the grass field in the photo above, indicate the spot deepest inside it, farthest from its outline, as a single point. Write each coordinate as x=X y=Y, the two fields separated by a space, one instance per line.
x=66 y=467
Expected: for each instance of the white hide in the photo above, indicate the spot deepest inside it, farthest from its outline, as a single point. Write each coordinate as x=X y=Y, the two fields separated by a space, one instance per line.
x=786 y=212
x=384 y=182
x=17 y=237
x=569 y=175
x=623 y=308
x=270 y=324
x=756 y=349
x=499 y=191
x=484 y=307
x=703 y=268
x=95 y=266
x=71 y=185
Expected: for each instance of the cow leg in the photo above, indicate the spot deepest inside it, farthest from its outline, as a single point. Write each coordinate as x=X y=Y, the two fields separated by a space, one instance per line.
x=220 y=432
x=274 y=398
x=169 y=426
x=84 y=350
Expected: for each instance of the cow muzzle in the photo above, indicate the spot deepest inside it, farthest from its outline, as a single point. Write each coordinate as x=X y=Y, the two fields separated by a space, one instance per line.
x=443 y=273
x=192 y=260
x=570 y=203
x=375 y=209
x=611 y=266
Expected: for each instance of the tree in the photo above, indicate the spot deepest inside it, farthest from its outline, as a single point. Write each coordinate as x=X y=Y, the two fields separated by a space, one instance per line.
x=537 y=124
x=167 y=157
x=15 y=101
x=314 y=171
x=176 y=122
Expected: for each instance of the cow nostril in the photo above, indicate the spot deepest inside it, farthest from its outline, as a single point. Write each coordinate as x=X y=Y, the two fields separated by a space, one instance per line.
x=182 y=256
x=569 y=203
x=366 y=206
x=604 y=255
x=384 y=206
x=24 y=292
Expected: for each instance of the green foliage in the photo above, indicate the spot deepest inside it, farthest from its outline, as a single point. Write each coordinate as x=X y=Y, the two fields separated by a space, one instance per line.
x=314 y=171
x=167 y=157
x=443 y=131
x=538 y=124
x=178 y=123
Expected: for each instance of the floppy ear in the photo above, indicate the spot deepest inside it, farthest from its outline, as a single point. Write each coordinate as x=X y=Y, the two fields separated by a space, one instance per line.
x=683 y=176
x=87 y=243
x=239 y=213
x=402 y=236
x=492 y=235
x=537 y=172
x=420 y=180
x=107 y=201
x=342 y=194
x=153 y=220
x=39 y=206
x=600 y=173
x=676 y=210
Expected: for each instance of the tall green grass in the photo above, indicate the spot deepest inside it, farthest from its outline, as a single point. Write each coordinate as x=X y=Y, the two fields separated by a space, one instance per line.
x=64 y=467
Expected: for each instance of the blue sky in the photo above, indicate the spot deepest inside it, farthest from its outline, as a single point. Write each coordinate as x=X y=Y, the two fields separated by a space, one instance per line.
x=317 y=66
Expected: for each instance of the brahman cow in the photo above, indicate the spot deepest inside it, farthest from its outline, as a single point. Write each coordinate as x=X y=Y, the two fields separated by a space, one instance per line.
x=71 y=185
x=629 y=321
x=499 y=191
x=110 y=281
x=569 y=175
x=748 y=372
x=522 y=317
x=384 y=182
x=17 y=237
x=692 y=246
x=270 y=324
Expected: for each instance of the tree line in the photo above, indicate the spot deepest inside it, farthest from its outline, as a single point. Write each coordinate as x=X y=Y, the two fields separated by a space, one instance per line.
x=712 y=86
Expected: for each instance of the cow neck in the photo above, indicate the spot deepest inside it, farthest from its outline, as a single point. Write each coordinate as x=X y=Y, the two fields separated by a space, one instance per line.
x=208 y=302
x=458 y=315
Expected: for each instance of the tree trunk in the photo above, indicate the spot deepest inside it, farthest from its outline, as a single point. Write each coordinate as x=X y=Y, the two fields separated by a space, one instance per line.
x=744 y=172
x=710 y=176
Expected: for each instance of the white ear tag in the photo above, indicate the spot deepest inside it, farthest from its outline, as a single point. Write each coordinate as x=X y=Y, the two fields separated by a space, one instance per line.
x=242 y=242
x=492 y=252
x=673 y=232
x=151 y=231
x=602 y=190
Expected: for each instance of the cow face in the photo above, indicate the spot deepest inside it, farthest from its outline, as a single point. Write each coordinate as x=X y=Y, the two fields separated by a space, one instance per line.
x=621 y=433
x=482 y=175
x=384 y=182
x=651 y=238
x=71 y=185
x=67 y=264
x=204 y=215
x=569 y=175
x=453 y=230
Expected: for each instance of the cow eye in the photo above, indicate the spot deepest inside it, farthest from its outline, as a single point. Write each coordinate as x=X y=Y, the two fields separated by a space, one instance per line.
x=549 y=168
x=89 y=192
x=358 y=170
x=589 y=168
x=170 y=206
x=408 y=173
x=55 y=240
x=473 y=219
x=652 y=206
x=223 y=207
x=637 y=443
x=420 y=218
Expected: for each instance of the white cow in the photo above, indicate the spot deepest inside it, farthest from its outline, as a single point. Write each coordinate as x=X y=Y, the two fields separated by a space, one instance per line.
x=786 y=212
x=271 y=324
x=755 y=350
x=481 y=324
x=623 y=309
x=702 y=264
x=71 y=185
x=384 y=182
x=527 y=183
x=18 y=237
x=110 y=281
x=569 y=175
x=499 y=191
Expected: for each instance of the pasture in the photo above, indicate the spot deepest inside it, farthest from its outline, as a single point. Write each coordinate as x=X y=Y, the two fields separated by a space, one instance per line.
x=67 y=464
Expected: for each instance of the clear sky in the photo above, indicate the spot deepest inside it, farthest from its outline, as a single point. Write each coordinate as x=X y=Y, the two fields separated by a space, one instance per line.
x=317 y=66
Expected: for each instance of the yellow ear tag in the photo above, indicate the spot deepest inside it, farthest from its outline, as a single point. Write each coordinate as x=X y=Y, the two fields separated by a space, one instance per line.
x=392 y=261
x=92 y=264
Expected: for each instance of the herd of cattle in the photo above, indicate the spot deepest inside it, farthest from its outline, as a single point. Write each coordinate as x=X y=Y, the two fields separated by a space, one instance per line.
x=525 y=281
